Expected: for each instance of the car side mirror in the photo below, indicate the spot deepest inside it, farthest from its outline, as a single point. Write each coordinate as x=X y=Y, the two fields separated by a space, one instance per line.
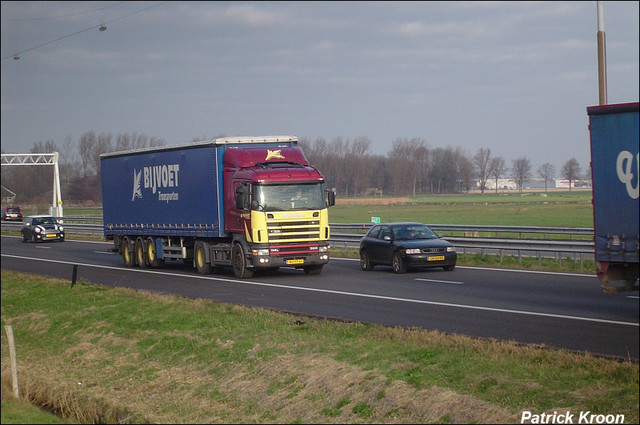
x=386 y=238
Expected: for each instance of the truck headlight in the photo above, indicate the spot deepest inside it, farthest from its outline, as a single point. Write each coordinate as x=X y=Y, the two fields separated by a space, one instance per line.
x=323 y=248
x=264 y=251
x=413 y=251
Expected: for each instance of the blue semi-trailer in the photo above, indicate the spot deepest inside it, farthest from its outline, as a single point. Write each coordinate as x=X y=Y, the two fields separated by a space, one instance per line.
x=249 y=203
x=615 y=173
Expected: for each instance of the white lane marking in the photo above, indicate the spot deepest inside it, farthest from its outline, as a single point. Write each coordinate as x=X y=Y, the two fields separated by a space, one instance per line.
x=43 y=247
x=440 y=281
x=104 y=252
x=328 y=291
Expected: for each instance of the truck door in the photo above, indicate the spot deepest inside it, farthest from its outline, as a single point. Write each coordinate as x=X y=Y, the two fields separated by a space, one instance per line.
x=239 y=206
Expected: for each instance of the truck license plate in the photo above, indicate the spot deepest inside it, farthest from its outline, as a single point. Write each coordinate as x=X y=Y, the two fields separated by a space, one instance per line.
x=297 y=261
x=437 y=258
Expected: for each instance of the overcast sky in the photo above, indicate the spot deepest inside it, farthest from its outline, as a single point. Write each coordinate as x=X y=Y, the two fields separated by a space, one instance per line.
x=514 y=77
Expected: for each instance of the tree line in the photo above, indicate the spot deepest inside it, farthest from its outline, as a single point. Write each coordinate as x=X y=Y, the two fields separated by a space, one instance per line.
x=411 y=167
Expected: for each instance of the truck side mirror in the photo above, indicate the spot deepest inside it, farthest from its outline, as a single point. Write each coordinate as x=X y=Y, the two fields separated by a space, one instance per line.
x=331 y=198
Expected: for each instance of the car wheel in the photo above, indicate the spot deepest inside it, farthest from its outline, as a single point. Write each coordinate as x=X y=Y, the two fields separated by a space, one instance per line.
x=398 y=264
x=365 y=261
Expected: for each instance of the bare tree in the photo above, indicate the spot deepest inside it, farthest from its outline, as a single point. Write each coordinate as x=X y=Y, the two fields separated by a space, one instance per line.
x=497 y=169
x=466 y=170
x=357 y=161
x=521 y=171
x=481 y=165
x=410 y=159
x=102 y=145
x=85 y=149
x=571 y=170
x=546 y=172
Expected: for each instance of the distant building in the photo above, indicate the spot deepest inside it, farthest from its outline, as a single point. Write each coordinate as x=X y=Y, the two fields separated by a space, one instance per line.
x=564 y=184
x=510 y=184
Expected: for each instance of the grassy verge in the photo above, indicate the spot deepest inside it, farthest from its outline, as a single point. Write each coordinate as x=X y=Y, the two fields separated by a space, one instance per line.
x=115 y=355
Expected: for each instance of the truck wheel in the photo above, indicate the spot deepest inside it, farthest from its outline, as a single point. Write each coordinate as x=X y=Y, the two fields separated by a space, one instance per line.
x=127 y=253
x=200 y=258
x=154 y=261
x=239 y=262
x=313 y=269
x=141 y=257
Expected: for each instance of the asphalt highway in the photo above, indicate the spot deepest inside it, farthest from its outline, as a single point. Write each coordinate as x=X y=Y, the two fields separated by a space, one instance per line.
x=558 y=310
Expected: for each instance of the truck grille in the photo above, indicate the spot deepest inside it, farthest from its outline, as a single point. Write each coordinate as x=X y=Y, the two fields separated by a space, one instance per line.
x=293 y=231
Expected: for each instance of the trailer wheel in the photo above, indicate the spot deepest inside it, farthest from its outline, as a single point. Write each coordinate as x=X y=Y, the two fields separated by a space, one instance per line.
x=127 y=253
x=154 y=261
x=239 y=262
x=200 y=258
x=141 y=258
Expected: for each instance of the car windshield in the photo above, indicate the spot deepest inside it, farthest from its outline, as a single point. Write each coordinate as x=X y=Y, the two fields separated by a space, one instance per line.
x=289 y=197
x=413 y=231
x=44 y=220
x=13 y=210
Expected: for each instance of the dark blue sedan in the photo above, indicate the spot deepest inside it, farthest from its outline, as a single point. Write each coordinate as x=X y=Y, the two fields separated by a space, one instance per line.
x=405 y=246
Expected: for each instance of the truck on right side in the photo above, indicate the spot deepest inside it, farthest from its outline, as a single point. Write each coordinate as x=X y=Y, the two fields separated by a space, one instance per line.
x=615 y=172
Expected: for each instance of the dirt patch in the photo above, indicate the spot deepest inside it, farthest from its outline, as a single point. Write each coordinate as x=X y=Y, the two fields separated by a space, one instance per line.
x=289 y=389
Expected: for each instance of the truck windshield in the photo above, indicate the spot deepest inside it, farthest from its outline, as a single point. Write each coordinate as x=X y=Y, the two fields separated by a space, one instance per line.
x=288 y=197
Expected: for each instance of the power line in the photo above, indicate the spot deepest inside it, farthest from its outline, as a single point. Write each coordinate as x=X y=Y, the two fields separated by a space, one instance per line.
x=101 y=27
x=46 y=18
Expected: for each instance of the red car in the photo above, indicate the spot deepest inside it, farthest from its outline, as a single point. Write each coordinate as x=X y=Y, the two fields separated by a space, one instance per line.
x=12 y=214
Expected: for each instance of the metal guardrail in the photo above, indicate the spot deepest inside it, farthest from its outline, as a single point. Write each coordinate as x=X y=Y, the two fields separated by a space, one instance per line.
x=516 y=246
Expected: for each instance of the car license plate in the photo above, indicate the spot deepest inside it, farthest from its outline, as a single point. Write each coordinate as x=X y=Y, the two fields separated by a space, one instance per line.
x=437 y=258
x=51 y=235
x=298 y=261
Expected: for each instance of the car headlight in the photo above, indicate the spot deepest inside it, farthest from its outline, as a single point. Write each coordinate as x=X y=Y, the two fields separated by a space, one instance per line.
x=451 y=249
x=61 y=228
x=37 y=229
x=413 y=251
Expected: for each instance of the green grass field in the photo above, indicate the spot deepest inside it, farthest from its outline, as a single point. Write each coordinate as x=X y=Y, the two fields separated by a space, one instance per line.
x=113 y=355
x=558 y=209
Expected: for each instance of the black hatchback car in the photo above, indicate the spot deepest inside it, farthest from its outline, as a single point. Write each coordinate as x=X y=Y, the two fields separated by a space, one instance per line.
x=404 y=246
x=38 y=228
